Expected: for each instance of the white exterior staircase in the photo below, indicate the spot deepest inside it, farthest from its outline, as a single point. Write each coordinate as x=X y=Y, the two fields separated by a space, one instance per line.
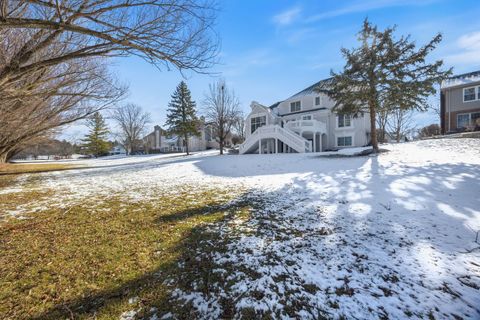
x=287 y=136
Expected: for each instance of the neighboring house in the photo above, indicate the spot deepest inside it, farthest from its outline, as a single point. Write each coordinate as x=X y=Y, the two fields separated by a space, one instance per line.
x=117 y=149
x=460 y=103
x=160 y=141
x=303 y=123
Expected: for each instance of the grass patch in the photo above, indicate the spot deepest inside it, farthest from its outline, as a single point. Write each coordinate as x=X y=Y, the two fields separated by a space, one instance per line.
x=20 y=168
x=89 y=260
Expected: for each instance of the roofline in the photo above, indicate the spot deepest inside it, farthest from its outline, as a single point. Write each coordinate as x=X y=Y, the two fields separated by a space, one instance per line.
x=302 y=111
x=318 y=82
x=464 y=75
x=461 y=85
x=444 y=86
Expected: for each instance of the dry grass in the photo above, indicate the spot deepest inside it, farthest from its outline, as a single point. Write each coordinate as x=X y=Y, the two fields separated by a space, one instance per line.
x=20 y=168
x=88 y=260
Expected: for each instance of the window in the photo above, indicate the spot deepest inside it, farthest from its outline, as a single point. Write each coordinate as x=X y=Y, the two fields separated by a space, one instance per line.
x=344 y=120
x=344 y=141
x=257 y=122
x=463 y=120
x=469 y=94
x=468 y=119
x=307 y=117
x=317 y=101
x=475 y=118
x=295 y=106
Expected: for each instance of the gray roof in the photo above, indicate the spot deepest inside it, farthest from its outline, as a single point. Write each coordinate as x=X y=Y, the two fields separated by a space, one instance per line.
x=275 y=104
x=321 y=85
x=464 y=79
x=466 y=75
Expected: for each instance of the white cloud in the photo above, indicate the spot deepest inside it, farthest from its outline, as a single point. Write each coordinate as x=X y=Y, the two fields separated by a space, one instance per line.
x=466 y=50
x=470 y=41
x=363 y=6
x=287 y=17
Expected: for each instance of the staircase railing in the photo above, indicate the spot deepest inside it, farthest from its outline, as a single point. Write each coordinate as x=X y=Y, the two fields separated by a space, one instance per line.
x=285 y=135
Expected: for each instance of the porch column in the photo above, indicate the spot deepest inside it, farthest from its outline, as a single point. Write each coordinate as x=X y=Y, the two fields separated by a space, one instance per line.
x=314 y=144
x=259 y=146
x=276 y=145
x=320 y=142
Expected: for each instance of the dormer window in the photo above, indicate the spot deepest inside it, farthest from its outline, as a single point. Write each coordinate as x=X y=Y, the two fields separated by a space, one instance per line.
x=295 y=106
x=317 y=101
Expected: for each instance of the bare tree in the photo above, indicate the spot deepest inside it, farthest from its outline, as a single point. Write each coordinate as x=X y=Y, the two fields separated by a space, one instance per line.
x=163 y=32
x=400 y=123
x=429 y=131
x=239 y=126
x=382 y=119
x=54 y=97
x=132 y=121
x=222 y=110
x=51 y=71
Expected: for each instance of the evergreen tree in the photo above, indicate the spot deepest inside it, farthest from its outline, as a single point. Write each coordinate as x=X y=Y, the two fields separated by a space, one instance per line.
x=96 y=140
x=384 y=74
x=181 y=117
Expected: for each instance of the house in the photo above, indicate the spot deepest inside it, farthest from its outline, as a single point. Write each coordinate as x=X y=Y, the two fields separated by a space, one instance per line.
x=117 y=148
x=303 y=122
x=160 y=141
x=460 y=103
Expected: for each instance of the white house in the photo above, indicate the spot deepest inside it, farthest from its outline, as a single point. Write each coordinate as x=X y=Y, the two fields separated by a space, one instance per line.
x=161 y=141
x=303 y=123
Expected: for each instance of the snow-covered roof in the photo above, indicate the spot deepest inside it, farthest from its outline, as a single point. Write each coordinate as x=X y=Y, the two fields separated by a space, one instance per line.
x=461 y=79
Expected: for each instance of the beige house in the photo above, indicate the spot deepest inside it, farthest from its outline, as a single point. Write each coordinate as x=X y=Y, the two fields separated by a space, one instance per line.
x=160 y=141
x=460 y=103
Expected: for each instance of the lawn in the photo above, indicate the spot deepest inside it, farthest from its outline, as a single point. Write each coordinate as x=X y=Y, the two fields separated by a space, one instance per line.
x=254 y=236
x=19 y=168
x=105 y=255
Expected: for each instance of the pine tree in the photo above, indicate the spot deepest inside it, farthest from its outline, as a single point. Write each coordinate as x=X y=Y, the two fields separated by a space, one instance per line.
x=96 y=140
x=384 y=74
x=181 y=117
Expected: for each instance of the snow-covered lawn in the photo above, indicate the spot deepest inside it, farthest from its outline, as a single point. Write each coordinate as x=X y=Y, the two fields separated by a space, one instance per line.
x=388 y=236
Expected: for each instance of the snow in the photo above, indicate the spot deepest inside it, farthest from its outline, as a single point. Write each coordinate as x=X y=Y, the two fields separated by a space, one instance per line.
x=354 y=237
x=473 y=79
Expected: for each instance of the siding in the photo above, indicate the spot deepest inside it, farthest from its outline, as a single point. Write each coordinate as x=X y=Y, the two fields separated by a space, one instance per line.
x=454 y=105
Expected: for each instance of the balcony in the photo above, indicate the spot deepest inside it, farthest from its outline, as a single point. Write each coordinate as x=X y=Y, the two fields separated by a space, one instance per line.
x=306 y=125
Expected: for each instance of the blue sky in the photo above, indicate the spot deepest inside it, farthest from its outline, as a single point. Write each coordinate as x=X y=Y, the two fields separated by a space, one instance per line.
x=272 y=49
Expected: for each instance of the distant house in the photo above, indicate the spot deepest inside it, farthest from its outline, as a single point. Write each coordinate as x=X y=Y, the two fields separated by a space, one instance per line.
x=302 y=123
x=460 y=103
x=160 y=141
x=117 y=149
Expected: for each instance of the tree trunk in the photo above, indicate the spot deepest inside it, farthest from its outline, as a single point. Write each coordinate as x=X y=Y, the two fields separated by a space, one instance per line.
x=221 y=145
x=373 y=129
x=186 y=144
x=6 y=154
x=3 y=157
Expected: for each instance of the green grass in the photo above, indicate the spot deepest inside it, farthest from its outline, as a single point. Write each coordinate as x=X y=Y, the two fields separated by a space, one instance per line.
x=86 y=261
